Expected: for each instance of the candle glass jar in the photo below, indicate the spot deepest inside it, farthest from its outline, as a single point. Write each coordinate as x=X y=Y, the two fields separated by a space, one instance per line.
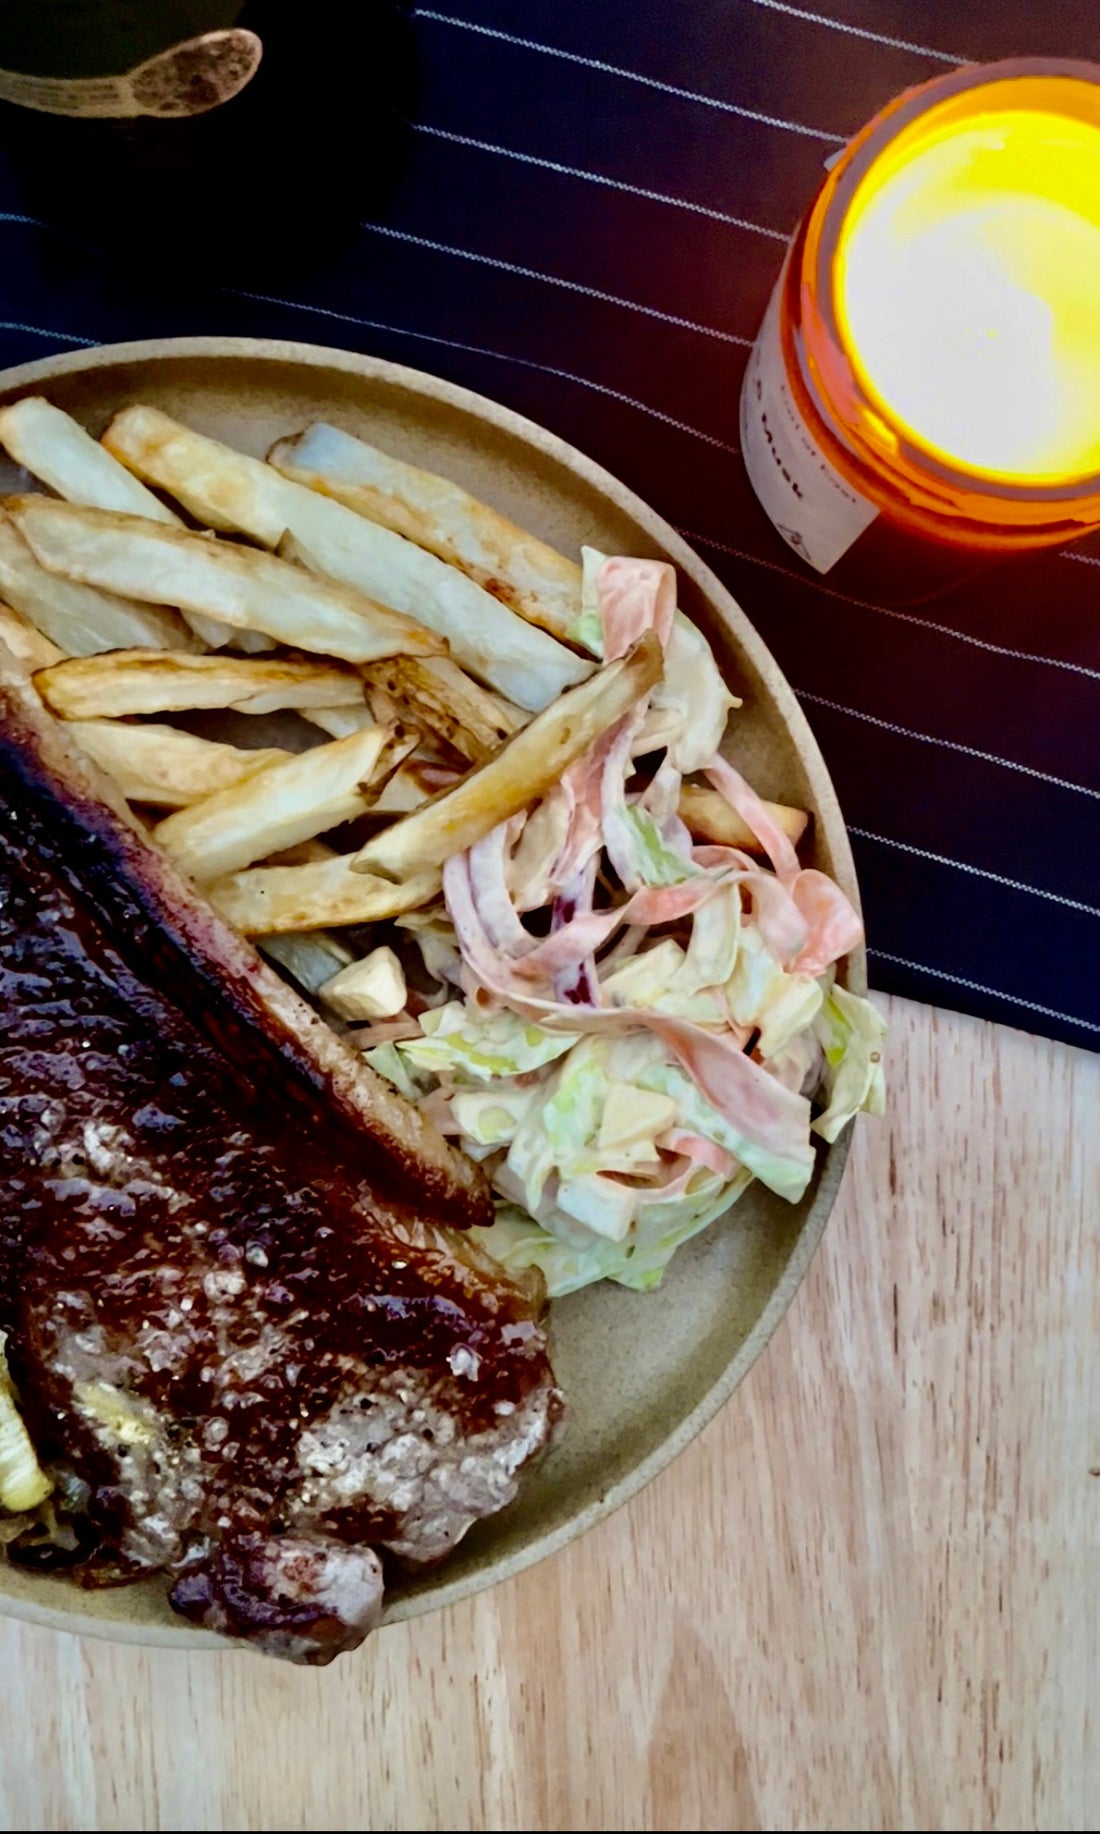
x=853 y=486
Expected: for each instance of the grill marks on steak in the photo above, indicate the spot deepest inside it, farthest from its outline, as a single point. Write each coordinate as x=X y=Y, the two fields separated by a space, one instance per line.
x=267 y=1368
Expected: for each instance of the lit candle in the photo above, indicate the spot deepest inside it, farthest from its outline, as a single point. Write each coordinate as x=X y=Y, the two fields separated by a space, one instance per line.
x=929 y=370
x=969 y=293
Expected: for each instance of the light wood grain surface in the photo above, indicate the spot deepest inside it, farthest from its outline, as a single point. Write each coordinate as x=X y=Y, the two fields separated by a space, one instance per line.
x=867 y=1597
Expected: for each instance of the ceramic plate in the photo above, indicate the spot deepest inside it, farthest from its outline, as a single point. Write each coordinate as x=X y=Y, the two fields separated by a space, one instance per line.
x=642 y=1372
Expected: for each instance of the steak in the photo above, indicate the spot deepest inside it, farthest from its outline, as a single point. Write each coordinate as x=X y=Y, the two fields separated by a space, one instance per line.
x=243 y=1326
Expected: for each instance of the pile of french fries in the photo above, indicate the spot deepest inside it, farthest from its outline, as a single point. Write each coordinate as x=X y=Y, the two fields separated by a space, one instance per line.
x=421 y=637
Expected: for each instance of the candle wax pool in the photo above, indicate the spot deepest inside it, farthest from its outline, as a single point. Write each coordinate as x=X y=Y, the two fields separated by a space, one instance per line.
x=968 y=290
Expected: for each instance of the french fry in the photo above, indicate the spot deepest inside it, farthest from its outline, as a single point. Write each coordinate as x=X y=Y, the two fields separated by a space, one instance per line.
x=245 y=589
x=525 y=768
x=304 y=854
x=400 y=743
x=341 y=722
x=219 y=636
x=485 y=636
x=383 y=705
x=166 y=767
x=275 y=900
x=435 y=689
x=220 y=487
x=388 y=711
x=517 y=568
x=228 y=490
x=412 y=785
x=290 y=802
x=710 y=818
x=400 y=795
x=33 y=650
x=81 y=620
x=154 y=681
x=252 y=642
x=56 y=448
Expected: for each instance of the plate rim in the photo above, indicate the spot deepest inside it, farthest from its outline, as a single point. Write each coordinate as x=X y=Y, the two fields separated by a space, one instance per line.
x=22 y=379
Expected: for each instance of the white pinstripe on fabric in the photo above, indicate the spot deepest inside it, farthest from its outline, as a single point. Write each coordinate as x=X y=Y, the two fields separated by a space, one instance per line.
x=858 y=31
x=977 y=872
x=371 y=324
x=928 y=738
x=501 y=356
x=554 y=280
x=598 y=178
x=995 y=993
x=889 y=611
x=47 y=331
x=630 y=76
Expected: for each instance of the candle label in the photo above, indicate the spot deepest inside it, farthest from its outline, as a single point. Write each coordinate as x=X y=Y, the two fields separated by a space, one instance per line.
x=188 y=79
x=814 y=508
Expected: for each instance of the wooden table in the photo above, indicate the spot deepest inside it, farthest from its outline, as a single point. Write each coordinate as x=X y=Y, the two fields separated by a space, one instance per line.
x=867 y=1597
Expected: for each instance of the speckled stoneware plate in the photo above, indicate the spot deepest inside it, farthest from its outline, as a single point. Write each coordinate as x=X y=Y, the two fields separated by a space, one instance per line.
x=643 y=1372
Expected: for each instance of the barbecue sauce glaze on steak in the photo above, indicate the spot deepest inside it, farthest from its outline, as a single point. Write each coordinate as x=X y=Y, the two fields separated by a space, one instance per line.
x=269 y=1371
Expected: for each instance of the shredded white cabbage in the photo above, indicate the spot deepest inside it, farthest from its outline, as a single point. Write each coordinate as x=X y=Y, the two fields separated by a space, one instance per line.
x=625 y=1061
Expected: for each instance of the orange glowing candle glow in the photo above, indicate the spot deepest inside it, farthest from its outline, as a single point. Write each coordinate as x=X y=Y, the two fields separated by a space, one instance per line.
x=924 y=394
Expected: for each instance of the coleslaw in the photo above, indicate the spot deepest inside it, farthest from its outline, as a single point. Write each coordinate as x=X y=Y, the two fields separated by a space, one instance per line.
x=628 y=1027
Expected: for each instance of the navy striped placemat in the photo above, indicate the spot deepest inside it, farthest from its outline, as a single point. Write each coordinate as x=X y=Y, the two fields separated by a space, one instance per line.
x=594 y=212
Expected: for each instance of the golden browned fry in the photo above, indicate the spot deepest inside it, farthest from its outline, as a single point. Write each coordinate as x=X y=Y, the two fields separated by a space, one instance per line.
x=447 y=700
x=515 y=567
x=710 y=818
x=166 y=767
x=81 y=620
x=228 y=490
x=56 y=448
x=33 y=649
x=403 y=793
x=400 y=743
x=419 y=778
x=241 y=586
x=222 y=488
x=525 y=768
x=303 y=796
x=382 y=704
x=272 y=900
x=126 y=682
